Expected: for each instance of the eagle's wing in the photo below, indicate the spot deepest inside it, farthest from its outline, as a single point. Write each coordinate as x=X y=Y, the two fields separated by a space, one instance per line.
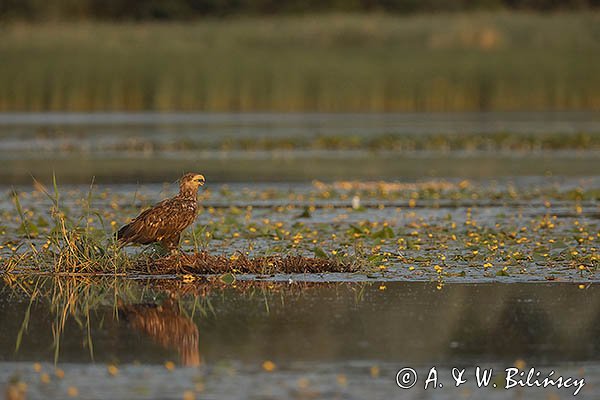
x=152 y=225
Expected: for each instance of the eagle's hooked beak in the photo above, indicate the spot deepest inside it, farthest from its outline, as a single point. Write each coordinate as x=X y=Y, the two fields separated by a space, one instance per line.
x=200 y=179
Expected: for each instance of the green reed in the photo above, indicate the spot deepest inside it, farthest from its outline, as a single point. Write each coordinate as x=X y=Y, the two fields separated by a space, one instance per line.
x=72 y=245
x=377 y=62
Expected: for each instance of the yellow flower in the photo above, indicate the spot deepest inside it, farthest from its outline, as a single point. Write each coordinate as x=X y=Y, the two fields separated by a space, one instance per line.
x=269 y=366
x=112 y=370
x=374 y=371
x=72 y=391
x=188 y=395
x=170 y=365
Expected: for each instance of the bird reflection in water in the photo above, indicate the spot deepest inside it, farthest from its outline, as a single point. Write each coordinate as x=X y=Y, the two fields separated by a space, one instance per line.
x=165 y=325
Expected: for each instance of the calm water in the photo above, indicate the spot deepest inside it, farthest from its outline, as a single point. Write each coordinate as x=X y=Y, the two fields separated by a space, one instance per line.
x=153 y=147
x=321 y=340
x=166 y=339
x=307 y=123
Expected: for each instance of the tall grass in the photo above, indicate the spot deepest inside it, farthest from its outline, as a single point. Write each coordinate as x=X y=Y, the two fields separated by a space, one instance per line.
x=446 y=62
x=72 y=246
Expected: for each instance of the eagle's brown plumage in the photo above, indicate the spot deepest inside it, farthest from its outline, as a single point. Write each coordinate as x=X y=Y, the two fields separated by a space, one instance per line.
x=164 y=222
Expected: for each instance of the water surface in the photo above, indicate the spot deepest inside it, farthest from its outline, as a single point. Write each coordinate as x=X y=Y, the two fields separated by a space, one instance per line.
x=154 y=147
x=334 y=340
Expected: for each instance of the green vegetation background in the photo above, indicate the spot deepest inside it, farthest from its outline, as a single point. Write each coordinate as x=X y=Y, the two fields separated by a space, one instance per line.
x=189 y=9
x=333 y=62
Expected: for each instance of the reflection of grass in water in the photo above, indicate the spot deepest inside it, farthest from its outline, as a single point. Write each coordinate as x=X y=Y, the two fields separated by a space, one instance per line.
x=163 y=309
x=72 y=297
x=329 y=63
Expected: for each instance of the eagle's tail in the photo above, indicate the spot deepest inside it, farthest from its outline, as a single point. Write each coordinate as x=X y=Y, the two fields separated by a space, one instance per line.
x=124 y=234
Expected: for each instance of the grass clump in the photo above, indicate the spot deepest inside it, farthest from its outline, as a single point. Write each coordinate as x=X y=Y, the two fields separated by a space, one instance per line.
x=75 y=247
x=407 y=230
x=205 y=263
x=72 y=245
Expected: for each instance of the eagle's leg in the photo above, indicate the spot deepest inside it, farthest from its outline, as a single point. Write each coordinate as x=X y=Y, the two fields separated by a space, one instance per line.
x=171 y=243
